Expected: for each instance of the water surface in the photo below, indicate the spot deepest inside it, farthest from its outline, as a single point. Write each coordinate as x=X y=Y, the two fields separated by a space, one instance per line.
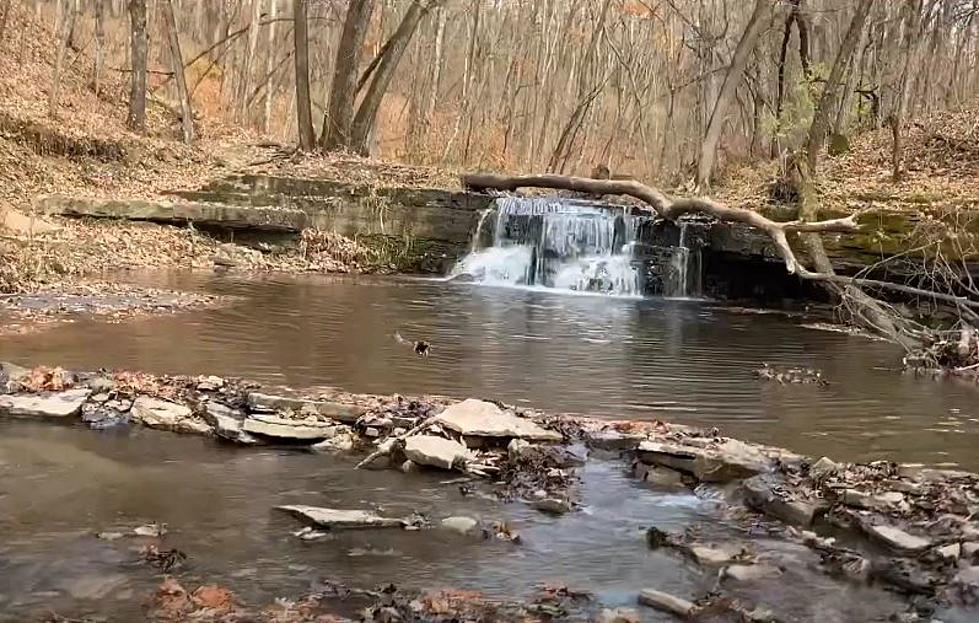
x=603 y=356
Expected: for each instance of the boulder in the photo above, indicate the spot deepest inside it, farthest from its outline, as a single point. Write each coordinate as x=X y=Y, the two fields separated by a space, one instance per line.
x=898 y=539
x=435 y=451
x=54 y=405
x=765 y=494
x=228 y=424
x=462 y=525
x=271 y=403
x=337 y=519
x=478 y=418
x=720 y=462
x=306 y=429
x=666 y=602
x=166 y=415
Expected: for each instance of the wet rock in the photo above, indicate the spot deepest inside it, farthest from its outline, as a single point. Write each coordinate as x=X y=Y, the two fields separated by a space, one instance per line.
x=103 y=416
x=306 y=429
x=435 y=451
x=750 y=573
x=343 y=441
x=478 y=418
x=613 y=440
x=54 y=405
x=950 y=552
x=898 y=539
x=715 y=555
x=867 y=501
x=166 y=415
x=409 y=467
x=722 y=462
x=658 y=475
x=462 y=525
x=228 y=424
x=271 y=403
x=210 y=383
x=552 y=506
x=767 y=495
x=666 y=602
x=618 y=615
x=336 y=519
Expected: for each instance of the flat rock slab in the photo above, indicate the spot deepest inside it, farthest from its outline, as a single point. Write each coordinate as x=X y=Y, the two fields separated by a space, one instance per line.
x=166 y=415
x=57 y=405
x=259 y=401
x=309 y=429
x=898 y=539
x=341 y=519
x=721 y=461
x=228 y=423
x=435 y=451
x=478 y=418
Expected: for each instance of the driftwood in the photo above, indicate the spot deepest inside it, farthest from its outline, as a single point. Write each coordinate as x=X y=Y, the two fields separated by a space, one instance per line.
x=389 y=444
x=672 y=208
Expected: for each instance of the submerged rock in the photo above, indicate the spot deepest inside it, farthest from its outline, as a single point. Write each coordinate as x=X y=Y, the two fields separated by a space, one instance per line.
x=478 y=418
x=435 y=451
x=666 y=602
x=750 y=573
x=307 y=429
x=336 y=519
x=54 y=405
x=552 y=506
x=462 y=525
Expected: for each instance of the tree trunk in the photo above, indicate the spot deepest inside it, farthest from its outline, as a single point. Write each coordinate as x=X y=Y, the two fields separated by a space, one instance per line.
x=339 y=115
x=137 y=83
x=4 y=18
x=363 y=123
x=69 y=10
x=99 y=45
x=304 y=111
x=246 y=64
x=436 y=65
x=732 y=79
x=897 y=117
x=269 y=64
x=177 y=64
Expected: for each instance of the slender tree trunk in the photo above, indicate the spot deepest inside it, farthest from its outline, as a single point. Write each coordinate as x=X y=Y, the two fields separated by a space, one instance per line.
x=897 y=117
x=69 y=9
x=304 y=111
x=177 y=64
x=732 y=79
x=99 y=45
x=269 y=64
x=246 y=63
x=4 y=18
x=339 y=116
x=436 y=65
x=363 y=123
x=137 y=84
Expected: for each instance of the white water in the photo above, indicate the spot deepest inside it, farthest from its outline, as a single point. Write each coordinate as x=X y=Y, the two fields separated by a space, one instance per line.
x=558 y=244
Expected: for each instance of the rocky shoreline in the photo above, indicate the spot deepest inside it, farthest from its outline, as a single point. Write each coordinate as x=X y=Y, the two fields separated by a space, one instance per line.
x=910 y=530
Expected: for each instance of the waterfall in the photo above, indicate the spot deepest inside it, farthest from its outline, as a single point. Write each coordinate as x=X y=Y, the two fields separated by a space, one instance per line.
x=564 y=244
x=684 y=271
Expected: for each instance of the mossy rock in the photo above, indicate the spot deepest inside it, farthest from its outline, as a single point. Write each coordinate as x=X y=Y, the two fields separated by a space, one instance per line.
x=839 y=144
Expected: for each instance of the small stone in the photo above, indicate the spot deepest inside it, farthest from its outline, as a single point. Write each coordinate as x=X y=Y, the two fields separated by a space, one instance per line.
x=409 y=467
x=153 y=530
x=53 y=405
x=714 y=555
x=666 y=602
x=552 y=506
x=618 y=615
x=950 y=552
x=899 y=539
x=334 y=518
x=435 y=451
x=462 y=525
x=370 y=431
x=210 y=383
x=751 y=573
x=823 y=467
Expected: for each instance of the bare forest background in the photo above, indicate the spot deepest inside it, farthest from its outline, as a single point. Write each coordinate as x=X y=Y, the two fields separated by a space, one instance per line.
x=657 y=89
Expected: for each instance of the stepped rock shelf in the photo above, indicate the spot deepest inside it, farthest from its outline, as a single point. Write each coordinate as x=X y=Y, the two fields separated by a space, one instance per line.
x=908 y=529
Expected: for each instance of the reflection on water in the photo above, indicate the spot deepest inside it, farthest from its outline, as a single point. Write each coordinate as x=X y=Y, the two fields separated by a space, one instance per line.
x=607 y=357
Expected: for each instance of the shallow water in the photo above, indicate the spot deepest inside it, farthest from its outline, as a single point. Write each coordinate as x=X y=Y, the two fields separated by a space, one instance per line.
x=682 y=361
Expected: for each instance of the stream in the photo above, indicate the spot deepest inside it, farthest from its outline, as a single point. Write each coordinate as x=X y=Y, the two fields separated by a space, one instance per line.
x=615 y=358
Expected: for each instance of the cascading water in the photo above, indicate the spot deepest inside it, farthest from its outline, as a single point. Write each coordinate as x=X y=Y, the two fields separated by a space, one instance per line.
x=558 y=243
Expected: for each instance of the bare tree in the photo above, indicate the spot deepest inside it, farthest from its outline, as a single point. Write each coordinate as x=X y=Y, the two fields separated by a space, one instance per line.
x=246 y=62
x=4 y=18
x=304 y=111
x=339 y=116
x=138 y=53
x=66 y=23
x=732 y=79
x=270 y=66
x=177 y=64
x=99 y=45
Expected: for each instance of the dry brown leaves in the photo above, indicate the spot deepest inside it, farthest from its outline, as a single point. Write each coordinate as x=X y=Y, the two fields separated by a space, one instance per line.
x=44 y=379
x=140 y=383
x=452 y=602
